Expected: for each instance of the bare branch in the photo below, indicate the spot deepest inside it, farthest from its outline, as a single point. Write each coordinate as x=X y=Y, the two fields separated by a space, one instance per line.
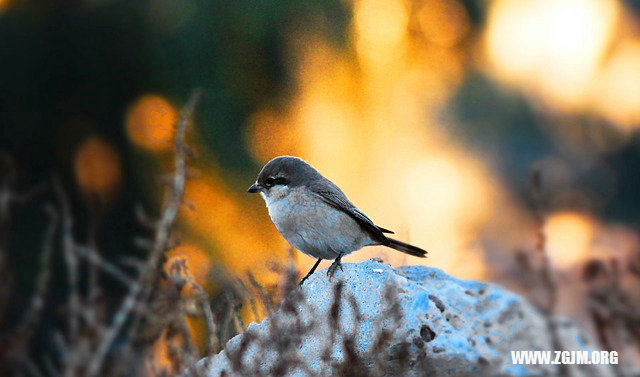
x=142 y=287
x=31 y=367
x=144 y=218
x=20 y=336
x=69 y=257
x=212 y=329
x=92 y=256
x=42 y=285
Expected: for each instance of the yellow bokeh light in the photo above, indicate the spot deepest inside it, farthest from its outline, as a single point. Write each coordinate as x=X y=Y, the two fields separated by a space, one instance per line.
x=435 y=186
x=446 y=197
x=151 y=122
x=380 y=26
x=97 y=167
x=617 y=94
x=550 y=47
x=569 y=237
x=444 y=22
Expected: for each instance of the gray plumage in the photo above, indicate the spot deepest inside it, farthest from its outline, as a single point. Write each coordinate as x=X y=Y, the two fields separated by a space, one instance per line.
x=315 y=216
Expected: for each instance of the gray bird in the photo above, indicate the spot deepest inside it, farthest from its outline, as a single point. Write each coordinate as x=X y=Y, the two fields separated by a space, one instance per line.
x=315 y=216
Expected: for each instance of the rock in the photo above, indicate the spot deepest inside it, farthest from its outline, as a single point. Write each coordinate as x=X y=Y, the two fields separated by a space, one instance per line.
x=413 y=320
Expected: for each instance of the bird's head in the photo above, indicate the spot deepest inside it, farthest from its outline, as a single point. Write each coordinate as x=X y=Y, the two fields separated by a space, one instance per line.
x=282 y=174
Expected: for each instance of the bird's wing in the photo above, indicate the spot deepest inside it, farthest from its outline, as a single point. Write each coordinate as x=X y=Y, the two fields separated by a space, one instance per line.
x=332 y=195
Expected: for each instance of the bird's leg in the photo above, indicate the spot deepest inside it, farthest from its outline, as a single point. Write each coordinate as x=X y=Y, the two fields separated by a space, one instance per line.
x=313 y=269
x=334 y=266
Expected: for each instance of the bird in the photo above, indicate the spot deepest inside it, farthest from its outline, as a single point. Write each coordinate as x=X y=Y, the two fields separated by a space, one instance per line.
x=316 y=217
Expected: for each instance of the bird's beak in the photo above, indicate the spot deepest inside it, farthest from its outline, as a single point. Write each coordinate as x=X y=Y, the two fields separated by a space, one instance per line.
x=254 y=188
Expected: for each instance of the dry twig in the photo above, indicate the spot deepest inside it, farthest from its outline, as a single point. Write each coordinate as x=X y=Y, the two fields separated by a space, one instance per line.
x=141 y=289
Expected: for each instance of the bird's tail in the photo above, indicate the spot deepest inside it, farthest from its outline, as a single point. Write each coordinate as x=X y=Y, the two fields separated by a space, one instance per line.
x=406 y=248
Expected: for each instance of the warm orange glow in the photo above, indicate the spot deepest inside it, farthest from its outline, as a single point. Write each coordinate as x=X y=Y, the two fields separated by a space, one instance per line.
x=4 y=4
x=245 y=235
x=161 y=362
x=569 y=237
x=151 y=122
x=198 y=264
x=370 y=127
x=445 y=198
x=241 y=236
x=270 y=136
x=444 y=22
x=97 y=167
x=553 y=47
x=373 y=122
x=436 y=186
x=618 y=89
x=380 y=26
x=197 y=261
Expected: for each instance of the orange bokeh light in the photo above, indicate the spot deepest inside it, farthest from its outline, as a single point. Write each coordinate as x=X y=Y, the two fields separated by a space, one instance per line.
x=4 y=4
x=569 y=237
x=617 y=95
x=380 y=26
x=576 y=55
x=197 y=261
x=444 y=22
x=552 y=48
x=97 y=167
x=151 y=122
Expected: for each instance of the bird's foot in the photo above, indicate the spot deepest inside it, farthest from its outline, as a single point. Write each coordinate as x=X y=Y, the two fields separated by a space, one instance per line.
x=310 y=272
x=334 y=267
x=304 y=279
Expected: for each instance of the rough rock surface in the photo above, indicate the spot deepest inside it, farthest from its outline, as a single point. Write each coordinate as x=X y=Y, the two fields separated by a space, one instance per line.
x=445 y=327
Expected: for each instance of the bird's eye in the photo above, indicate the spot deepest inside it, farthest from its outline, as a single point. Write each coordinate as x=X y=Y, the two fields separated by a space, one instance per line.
x=269 y=181
x=281 y=181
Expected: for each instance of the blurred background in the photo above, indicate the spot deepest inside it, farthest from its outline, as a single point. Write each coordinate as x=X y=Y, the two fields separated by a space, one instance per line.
x=482 y=131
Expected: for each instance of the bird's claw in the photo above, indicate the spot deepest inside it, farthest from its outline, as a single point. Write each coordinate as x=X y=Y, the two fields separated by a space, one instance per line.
x=330 y=272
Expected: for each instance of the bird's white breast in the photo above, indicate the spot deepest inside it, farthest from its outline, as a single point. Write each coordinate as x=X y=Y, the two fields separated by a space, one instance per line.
x=311 y=225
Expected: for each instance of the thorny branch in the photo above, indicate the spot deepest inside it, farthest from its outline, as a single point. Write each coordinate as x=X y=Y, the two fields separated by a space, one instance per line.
x=89 y=335
x=114 y=271
x=70 y=259
x=37 y=300
x=141 y=288
x=16 y=340
x=9 y=198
